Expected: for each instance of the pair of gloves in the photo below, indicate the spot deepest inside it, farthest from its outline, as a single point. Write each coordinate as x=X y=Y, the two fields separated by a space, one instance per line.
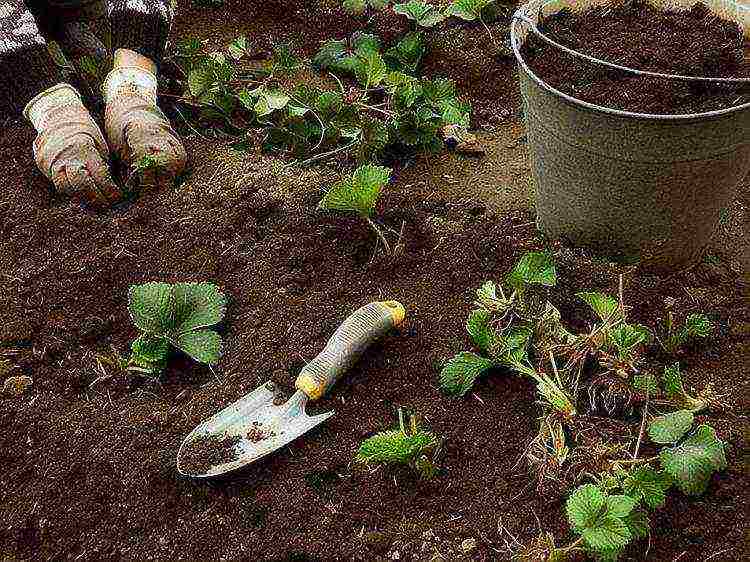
x=71 y=150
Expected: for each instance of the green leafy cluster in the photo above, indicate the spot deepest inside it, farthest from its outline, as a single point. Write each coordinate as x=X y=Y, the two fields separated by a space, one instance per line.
x=504 y=329
x=410 y=446
x=674 y=336
x=174 y=316
x=387 y=110
x=359 y=192
x=615 y=511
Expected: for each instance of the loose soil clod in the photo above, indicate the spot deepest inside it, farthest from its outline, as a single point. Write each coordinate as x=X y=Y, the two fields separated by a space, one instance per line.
x=206 y=451
x=257 y=433
x=640 y=36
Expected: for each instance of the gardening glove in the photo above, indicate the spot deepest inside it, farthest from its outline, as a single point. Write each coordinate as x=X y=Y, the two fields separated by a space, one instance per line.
x=139 y=133
x=69 y=148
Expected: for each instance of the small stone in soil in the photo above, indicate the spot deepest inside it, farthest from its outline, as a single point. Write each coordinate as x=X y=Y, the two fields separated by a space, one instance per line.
x=207 y=451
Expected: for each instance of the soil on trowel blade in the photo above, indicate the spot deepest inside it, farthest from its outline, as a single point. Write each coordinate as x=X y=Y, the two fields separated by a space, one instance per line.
x=206 y=451
x=692 y=42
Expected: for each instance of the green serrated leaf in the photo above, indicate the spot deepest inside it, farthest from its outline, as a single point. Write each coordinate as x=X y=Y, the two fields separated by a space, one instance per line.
x=609 y=534
x=646 y=384
x=238 y=48
x=372 y=70
x=606 y=307
x=461 y=372
x=151 y=307
x=358 y=193
x=673 y=381
x=534 y=268
x=692 y=463
x=422 y=13
x=197 y=305
x=647 y=485
x=202 y=345
x=149 y=353
x=480 y=330
x=406 y=55
x=697 y=326
x=619 y=505
x=670 y=428
x=200 y=79
x=584 y=506
x=468 y=10
x=395 y=447
x=488 y=291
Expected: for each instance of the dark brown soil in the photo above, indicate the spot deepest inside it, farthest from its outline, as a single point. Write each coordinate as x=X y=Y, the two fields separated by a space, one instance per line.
x=637 y=35
x=88 y=463
x=205 y=451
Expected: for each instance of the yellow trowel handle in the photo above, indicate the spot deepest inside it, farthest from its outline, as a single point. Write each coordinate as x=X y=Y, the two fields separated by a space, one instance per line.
x=362 y=328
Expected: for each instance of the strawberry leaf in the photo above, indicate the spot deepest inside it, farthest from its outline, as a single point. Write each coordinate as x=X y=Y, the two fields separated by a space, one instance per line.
x=693 y=462
x=648 y=485
x=358 y=193
x=461 y=372
x=670 y=428
x=534 y=268
x=422 y=13
x=478 y=326
x=605 y=306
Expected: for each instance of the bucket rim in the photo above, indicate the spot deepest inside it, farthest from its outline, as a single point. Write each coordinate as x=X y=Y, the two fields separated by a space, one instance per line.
x=523 y=11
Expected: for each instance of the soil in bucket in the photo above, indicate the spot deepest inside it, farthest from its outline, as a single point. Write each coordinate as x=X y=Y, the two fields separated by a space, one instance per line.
x=693 y=42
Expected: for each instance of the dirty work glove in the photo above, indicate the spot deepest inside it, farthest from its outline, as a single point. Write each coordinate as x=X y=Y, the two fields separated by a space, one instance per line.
x=138 y=132
x=69 y=148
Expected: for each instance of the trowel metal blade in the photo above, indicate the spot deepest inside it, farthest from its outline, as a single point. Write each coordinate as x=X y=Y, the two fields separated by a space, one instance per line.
x=262 y=427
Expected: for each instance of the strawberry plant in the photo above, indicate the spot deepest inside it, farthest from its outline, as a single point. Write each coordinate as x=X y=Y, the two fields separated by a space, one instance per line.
x=469 y=10
x=608 y=521
x=674 y=336
x=412 y=446
x=359 y=194
x=382 y=111
x=174 y=316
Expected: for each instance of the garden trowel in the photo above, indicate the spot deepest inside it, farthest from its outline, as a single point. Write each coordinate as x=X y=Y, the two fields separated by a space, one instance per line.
x=263 y=423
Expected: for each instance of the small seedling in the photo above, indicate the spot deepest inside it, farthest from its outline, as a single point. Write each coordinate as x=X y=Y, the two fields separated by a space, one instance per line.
x=174 y=316
x=412 y=446
x=674 y=337
x=359 y=193
x=607 y=521
x=502 y=328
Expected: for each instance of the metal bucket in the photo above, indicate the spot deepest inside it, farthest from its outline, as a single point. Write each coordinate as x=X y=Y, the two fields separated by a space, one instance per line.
x=630 y=185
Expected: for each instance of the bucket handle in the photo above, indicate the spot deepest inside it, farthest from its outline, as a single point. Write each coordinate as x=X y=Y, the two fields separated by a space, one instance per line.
x=519 y=16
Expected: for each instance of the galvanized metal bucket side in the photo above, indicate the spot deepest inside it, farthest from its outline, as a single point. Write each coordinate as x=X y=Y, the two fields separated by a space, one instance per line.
x=626 y=184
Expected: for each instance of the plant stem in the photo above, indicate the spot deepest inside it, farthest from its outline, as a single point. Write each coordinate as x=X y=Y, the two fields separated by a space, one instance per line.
x=643 y=427
x=380 y=235
x=373 y=108
x=325 y=155
x=572 y=546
